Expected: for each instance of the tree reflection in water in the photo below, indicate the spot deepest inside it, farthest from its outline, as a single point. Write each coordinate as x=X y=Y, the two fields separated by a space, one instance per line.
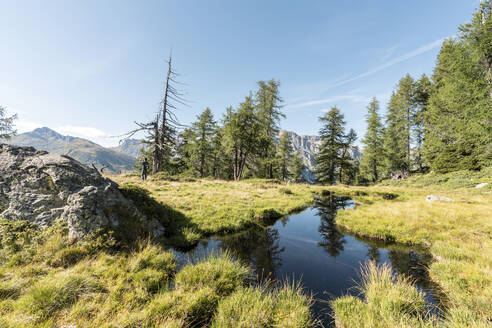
x=332 y=239
x=258 y=247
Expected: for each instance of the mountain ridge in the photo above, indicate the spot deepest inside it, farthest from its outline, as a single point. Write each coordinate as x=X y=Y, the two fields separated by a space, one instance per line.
x=123 y=157
x=83 y=150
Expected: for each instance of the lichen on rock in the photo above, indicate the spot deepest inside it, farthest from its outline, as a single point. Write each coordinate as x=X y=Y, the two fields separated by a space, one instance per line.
x=42 y=187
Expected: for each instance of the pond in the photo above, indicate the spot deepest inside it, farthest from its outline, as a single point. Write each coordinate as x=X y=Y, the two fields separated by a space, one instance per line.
x=310 y=248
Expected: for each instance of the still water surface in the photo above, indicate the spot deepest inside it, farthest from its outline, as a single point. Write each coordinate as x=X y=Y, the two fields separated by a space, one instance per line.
x=309 y=247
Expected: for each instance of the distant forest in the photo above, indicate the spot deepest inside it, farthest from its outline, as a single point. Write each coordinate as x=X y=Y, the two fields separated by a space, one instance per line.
x=442 y=123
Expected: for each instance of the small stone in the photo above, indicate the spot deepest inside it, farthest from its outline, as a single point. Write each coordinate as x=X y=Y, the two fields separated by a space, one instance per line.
x=433 y=198
x=481 y=185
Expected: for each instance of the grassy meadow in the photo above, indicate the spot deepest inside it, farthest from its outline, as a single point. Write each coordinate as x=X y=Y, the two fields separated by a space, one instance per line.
x=47 y=280
x=202 y=207
x=458 y=234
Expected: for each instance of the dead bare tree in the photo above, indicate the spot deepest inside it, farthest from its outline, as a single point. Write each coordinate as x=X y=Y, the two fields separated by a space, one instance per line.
x=162 y=130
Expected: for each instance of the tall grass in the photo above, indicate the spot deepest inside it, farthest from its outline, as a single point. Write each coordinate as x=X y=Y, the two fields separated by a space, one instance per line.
x=58 y=283
x=388 y=301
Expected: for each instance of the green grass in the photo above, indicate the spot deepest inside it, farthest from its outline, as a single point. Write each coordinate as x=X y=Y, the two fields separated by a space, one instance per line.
x=260 y=307
x=88 y=284
x=199 y=208
x=388 y=301
x=458 y=234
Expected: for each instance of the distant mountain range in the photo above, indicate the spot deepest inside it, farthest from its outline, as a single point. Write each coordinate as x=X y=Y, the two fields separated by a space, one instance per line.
x=83 y=150
x=123 y=157
x=308 y=147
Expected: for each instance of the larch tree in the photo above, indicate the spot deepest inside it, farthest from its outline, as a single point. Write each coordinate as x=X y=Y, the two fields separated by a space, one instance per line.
x=241 y=130
x=332 y=143
x=458 y=122
x=422 y=89
x=204 y=130
x=268 y=110
x=398 y=135
x=284 y=156
x=347 y=167
x=373 y=151
x=297 y=166
x=7 y=129
x=162 y=130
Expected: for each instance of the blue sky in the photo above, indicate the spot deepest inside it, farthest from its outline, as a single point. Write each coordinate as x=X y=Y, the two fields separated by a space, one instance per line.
x=91 y=68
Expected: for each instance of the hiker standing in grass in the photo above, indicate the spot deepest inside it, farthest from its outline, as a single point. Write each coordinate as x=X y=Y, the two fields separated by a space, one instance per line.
x=145 y=166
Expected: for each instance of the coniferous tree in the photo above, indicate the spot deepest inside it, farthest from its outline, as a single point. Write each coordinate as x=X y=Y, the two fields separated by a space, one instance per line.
x=458 y=122
x=332 y=142
x=399 y=126
x=241 y=129
x=268 y=110
x=422 y=90
x=297 y=166
x=373 y=152
x=347 y=167
x=284 y=156
x=6 y=124
x=204 y=130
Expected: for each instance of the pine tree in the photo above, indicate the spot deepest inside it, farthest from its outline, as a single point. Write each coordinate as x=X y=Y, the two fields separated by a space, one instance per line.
x=284 y=156
x=204 y=130
x=332 y=142
x=373 y=152
x=297 y=166
x=6 y=124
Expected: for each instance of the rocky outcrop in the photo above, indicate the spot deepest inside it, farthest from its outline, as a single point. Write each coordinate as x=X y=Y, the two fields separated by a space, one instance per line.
x=44 y=187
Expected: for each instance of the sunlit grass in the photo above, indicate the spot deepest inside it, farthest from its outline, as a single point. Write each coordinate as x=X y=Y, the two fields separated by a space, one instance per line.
x=93 y=286
x=204 y=207
x=458 y=234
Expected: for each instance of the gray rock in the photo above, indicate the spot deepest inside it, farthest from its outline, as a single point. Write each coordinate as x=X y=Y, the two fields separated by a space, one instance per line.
x=481 y=185
x=433 y=198
x=43 y=187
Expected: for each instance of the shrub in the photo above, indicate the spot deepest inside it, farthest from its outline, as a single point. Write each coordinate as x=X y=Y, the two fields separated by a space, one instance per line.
x=218 y=272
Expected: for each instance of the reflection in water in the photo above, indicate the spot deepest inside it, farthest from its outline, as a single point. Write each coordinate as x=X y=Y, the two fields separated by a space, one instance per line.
x=309 y=246
x=259 y=247
x=332 y=239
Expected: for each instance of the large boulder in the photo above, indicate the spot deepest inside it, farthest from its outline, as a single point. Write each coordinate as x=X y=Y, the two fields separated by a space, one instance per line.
x=44 y=187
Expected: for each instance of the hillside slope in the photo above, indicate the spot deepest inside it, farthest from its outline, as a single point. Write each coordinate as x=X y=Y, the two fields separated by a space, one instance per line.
x=83 y=150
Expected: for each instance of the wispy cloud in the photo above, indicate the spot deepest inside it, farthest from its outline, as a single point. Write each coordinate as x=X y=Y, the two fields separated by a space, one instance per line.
x=392 y=62
x=329 y=100
x=389 y=52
